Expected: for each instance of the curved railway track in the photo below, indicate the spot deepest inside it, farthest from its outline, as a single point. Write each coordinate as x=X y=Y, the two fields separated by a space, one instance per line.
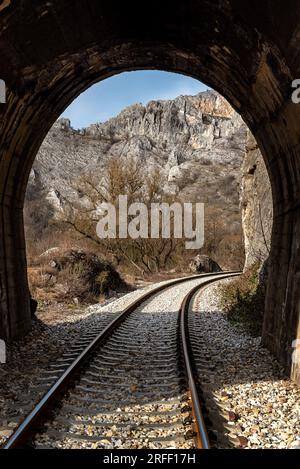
x=133 y=385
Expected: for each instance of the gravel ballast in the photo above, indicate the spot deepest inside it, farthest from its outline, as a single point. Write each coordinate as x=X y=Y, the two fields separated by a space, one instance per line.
x=252 y=403
x=56 y=328
x=141 y=364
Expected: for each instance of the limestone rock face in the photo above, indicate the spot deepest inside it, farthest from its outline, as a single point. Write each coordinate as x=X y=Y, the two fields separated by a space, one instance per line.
x=256 y=204
x=205 y=264
x=196 y=143
x=199 y=144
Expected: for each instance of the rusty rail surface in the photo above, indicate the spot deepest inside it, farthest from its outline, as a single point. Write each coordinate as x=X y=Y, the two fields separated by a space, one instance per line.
x=48 y=402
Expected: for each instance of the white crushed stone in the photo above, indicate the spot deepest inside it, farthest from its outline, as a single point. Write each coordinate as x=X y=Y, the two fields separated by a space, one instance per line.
x=51 y=336
x=153 y=326
x=260 y=405
x=243 y=377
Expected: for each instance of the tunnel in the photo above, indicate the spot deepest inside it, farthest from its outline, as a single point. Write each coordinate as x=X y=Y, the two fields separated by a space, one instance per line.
x=51 y=51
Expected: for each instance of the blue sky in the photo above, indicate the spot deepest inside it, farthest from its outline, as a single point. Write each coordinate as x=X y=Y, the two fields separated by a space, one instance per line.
x=107 y=98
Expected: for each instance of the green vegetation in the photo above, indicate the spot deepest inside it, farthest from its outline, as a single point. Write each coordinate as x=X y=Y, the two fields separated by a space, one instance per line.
x=243 y=301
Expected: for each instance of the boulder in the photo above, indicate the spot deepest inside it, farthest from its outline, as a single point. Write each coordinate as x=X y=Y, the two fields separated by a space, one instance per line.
x=205 y=264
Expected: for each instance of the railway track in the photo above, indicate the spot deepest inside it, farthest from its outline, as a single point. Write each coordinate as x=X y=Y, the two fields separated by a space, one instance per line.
x=132 y=386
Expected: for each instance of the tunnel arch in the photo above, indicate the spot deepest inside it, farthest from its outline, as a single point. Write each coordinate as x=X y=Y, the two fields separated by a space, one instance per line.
x=55 y=50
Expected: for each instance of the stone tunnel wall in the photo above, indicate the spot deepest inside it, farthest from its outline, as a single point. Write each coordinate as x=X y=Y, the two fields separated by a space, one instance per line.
x=247 y=51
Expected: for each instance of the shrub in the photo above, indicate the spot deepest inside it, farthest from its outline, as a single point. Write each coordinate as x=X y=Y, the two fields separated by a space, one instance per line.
x=243 y=301
x=73 y=274
x=87 y=275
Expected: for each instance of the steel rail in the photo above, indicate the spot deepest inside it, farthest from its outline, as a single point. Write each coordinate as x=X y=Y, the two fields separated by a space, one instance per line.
x=202 y=440
x=29 y=425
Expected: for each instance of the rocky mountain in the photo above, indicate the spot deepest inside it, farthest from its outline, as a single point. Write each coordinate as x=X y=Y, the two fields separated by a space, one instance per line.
x=196 y=142
x=256 y=205
x=200 y=146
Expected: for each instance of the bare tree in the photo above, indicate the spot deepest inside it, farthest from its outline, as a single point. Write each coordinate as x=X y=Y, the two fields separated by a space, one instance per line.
x=144 y=255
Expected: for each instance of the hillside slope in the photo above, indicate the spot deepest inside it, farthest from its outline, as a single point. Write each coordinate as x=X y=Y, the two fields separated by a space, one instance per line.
x=196 y=142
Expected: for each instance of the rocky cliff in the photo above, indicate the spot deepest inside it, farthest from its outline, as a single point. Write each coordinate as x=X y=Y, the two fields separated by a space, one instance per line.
x=196 y=142
x=256 y=204
x=200 y=146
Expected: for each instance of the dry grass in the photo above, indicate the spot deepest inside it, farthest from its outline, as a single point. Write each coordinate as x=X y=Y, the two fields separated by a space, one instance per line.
x=69 y=274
